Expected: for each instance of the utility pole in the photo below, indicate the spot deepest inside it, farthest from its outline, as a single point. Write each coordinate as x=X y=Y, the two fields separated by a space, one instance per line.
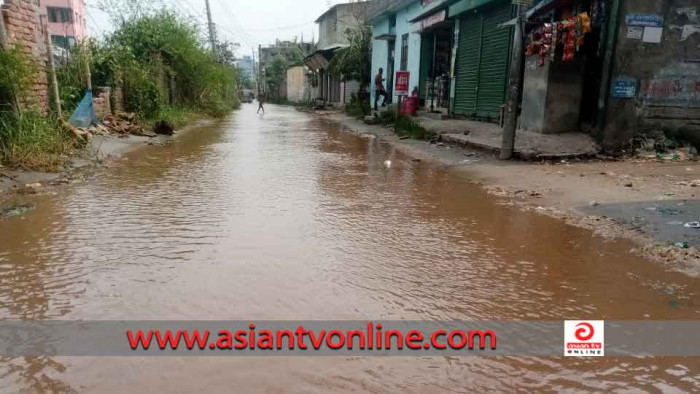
x=212 y=32
x=516 y=69
x=261 y=82
x=52 y=72
x=3 y=32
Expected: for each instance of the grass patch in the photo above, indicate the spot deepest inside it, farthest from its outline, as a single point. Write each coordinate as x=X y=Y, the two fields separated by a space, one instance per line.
x=179 y=117
x=405 y=126
x=34 y=142
x=358 y=109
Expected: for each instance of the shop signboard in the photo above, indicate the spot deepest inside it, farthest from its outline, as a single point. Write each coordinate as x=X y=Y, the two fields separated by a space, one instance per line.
x=401 y=86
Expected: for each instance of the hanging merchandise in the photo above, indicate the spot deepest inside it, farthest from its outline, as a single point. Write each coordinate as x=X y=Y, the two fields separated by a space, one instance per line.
x=569 y=41
x=569 y=33
x=546 y=43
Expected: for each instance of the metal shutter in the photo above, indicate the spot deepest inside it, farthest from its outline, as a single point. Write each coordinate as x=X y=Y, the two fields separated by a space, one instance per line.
x=495 y=61
x=483 y=60
x=467 y=68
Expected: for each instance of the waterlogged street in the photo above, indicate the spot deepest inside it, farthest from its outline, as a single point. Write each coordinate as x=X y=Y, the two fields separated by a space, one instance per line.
x=288 y=217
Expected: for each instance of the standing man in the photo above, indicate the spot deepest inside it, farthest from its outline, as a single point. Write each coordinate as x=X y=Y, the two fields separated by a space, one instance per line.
x=379 y=89
x=261 y=101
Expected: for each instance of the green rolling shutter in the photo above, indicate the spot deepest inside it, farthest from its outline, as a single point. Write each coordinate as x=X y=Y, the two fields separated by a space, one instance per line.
x=467 y=68
x=483 y=60
x=495 y=61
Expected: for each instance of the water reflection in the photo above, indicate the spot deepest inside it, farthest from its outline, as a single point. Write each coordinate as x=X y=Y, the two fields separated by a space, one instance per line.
x=287 y=216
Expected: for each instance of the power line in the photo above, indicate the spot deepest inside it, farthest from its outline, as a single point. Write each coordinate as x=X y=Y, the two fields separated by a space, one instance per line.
x=283 y=28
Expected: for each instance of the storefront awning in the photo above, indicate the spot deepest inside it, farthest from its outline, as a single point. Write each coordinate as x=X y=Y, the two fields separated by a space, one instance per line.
x=386 y=37
x=431 y=22
x=321 y=58
x=463 y=6
x=429 y=10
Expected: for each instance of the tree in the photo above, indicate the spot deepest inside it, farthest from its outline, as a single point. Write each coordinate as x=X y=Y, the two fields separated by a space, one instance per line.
x=354 y=62
x=275 y=73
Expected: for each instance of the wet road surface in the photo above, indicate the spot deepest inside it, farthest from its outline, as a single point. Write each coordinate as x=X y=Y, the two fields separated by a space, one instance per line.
x=288 y=217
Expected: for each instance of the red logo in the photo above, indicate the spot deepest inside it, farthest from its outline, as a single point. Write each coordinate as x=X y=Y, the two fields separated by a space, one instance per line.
x=584 y=331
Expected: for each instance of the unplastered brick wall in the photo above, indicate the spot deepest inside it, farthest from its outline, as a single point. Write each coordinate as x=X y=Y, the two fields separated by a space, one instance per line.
x=23 y=29
x=100 y=100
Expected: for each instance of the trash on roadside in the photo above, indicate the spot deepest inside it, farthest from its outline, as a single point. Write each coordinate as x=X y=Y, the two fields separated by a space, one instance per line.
x=695 y=183
x=387 y=164
x=33 y=185
x=669 y=211
x=16 y=210
x=692 y=225
x=682 y=245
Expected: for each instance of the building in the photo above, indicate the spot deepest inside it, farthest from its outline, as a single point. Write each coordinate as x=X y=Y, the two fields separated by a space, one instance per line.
x=300 y=84
x=333 y=88
x=247 y=68
x=290 y=52
x=596 y=83
x=66 y=21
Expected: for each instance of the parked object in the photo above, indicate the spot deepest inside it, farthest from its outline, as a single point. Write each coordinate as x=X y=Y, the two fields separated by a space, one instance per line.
x=84 y=115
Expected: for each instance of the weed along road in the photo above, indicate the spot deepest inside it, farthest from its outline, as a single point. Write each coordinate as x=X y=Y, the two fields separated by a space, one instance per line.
x=288 y=217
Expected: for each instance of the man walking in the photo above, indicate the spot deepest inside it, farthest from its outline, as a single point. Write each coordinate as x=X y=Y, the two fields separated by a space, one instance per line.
x=379 y=89
x=261 y=101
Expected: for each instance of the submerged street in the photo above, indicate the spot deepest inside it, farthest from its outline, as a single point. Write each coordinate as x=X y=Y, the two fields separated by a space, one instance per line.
x=288 y=217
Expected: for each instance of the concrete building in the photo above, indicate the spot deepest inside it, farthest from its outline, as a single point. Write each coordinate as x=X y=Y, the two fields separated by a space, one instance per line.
x=66 y=20
x=289 y=51
x=333 y=88
x=604 y=87
x=414 y=36
x=247 y=68
x=300 y=87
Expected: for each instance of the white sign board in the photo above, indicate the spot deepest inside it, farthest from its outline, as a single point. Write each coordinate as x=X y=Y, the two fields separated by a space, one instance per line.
x=653 y=35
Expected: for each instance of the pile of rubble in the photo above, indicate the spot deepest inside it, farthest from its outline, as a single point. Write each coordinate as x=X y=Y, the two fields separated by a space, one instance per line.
x=123 y=124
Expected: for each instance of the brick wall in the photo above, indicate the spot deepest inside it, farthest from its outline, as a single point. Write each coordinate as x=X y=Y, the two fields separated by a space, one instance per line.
x=101 y=101
x=24 y=31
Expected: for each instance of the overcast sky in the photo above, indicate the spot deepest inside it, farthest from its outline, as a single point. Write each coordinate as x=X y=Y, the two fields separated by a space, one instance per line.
x=248 y=22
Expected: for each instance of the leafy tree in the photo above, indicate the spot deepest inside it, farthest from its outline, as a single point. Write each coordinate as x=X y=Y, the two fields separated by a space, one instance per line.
x=275 y=73
x=354 y=62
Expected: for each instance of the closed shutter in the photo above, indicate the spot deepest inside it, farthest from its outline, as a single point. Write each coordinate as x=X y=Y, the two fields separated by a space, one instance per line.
x=495 y=61
x=483 y=60
x=467 y=68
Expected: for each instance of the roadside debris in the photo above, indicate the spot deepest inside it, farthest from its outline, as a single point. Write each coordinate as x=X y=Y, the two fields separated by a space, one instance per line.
x=17 y=210
x=693 y=225
x=164 y=128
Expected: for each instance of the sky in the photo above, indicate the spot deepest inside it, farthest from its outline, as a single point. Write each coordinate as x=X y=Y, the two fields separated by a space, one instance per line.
x=248 y=22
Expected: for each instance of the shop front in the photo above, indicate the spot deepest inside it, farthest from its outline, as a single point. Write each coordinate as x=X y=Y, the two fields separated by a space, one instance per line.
x=483 y=57
x=436 y=32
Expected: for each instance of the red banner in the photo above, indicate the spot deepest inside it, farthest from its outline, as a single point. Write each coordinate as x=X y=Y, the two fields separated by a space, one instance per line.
x=401 y=87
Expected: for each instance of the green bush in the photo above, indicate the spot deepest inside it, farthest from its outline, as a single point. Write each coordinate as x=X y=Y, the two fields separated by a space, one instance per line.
x=358 y=109
x=34 y=142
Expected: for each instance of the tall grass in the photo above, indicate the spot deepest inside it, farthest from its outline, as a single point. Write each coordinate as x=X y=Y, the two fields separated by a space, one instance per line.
x=34 y=142
x=405 y=125
x=178 y=116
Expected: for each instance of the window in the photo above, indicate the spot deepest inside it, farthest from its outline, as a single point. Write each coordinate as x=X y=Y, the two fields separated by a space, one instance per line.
x=65 y=42
x=332 y=22
x=59 y=15
x=404 y=52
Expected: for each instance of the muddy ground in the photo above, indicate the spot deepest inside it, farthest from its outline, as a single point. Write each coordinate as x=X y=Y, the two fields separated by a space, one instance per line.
x=574 y=190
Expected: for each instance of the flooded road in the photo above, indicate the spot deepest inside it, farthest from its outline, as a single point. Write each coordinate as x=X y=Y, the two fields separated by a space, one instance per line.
x=288 y=217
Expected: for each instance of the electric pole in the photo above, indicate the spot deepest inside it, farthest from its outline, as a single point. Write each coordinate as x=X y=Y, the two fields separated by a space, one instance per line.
x=3 y=33
x=516 y=69
x=212 y=32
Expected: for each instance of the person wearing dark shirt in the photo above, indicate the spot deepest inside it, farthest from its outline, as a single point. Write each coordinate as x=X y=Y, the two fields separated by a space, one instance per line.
x=379 y=89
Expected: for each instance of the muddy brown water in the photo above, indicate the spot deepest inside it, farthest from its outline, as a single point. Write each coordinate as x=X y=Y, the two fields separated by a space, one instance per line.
x=289 y=217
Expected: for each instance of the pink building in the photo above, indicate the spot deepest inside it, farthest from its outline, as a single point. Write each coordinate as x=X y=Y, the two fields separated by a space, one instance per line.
x=66 y=18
